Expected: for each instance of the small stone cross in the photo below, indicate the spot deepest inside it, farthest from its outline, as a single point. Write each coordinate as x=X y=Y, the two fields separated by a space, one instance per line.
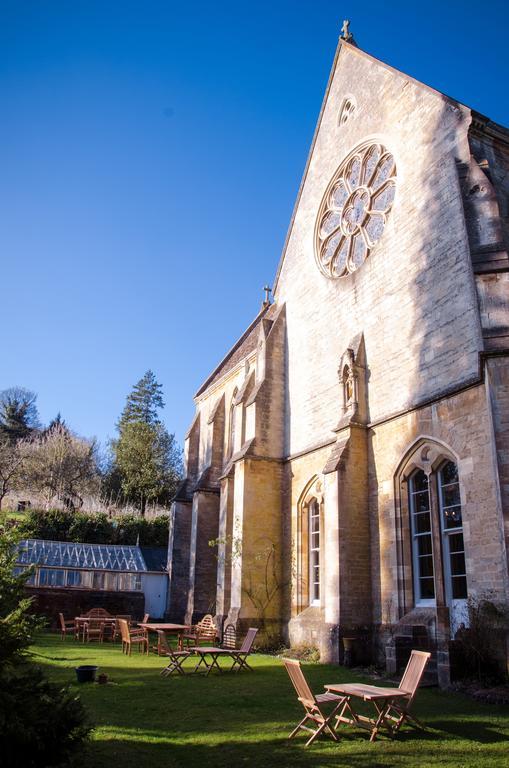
x=345 y=32
x=267 y=292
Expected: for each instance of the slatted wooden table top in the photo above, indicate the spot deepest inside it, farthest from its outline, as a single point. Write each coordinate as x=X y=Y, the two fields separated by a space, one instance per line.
x=164 y=627
x=367 y=692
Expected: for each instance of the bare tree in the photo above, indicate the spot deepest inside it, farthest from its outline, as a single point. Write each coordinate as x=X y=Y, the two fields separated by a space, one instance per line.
x=63 y=466
x=12 y=457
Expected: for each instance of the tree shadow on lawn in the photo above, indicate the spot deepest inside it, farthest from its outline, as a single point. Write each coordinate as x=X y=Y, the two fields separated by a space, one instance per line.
x=350 y=752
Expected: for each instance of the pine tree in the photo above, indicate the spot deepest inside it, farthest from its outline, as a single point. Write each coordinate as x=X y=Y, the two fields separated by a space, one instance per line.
x=146 y=459
x=143 y=402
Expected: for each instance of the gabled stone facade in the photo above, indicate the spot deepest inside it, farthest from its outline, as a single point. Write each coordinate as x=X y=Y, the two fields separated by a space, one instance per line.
x=349 y=456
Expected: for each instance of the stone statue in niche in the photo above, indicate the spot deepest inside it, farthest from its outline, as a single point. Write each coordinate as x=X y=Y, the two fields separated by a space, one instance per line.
x=352 y=375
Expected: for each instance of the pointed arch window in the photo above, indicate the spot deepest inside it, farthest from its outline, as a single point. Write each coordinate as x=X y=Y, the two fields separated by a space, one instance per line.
x=452 y=531
x=435 y=503
x=314 y=552
x=422 y=540
x=231 y=425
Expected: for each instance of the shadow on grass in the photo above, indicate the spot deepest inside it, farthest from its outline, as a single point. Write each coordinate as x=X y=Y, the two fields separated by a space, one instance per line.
x=348 y=753
x=145 y=720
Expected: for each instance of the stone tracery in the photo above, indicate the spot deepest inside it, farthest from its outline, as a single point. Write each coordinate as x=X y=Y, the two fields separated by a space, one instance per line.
x=354 y=210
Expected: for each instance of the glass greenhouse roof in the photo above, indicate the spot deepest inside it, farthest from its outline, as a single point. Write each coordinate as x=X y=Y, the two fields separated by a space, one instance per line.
x=66 y=554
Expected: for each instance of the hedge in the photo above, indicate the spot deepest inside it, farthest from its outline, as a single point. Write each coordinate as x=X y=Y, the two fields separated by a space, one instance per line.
x=60 y=525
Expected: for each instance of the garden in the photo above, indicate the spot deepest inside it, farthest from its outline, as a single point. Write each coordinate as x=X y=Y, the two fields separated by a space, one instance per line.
x=140 y=719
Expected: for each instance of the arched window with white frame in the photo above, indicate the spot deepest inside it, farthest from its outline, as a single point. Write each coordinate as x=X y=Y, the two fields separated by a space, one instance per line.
x=436 y=532
x=451 y=525
x=422 y=539
x=314 y=551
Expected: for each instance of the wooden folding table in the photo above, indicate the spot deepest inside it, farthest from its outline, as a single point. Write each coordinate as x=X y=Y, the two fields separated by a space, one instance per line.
x=381 y=698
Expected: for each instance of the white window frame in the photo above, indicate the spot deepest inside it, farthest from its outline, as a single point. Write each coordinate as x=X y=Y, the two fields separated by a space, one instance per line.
x=422 y=602
x=314 y=552
x=446 y=533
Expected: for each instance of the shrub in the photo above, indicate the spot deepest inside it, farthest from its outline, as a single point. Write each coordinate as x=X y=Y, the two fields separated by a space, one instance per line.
x=302 y=653
x=62 y=525
x=481 y=645
x=40 y=723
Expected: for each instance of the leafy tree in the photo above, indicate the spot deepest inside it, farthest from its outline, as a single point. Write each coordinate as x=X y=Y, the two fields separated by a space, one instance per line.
x=41 y=724
x=18 y=413
x=63 y=466
x=146 y=461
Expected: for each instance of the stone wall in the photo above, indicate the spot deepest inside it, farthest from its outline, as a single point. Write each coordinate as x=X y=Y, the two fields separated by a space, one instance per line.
x=414 y=297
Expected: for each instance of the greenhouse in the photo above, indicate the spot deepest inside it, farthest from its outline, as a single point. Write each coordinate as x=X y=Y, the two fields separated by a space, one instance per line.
x=97 y=567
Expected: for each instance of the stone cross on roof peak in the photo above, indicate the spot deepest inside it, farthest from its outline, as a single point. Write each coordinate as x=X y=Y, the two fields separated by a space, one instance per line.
x=345 y=31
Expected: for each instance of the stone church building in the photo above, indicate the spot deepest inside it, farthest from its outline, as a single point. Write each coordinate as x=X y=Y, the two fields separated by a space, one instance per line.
x=349 y=457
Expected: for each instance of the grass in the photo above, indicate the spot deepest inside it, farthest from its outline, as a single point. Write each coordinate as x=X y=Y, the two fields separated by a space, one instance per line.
x=143 y=720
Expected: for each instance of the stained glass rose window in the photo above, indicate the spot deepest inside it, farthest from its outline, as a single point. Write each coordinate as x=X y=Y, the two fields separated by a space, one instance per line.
x=354 y=210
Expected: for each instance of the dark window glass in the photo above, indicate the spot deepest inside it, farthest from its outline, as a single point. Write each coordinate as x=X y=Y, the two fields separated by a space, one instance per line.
x=459 y=587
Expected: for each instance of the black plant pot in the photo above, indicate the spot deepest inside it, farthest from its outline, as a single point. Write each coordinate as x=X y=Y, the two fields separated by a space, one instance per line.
x=86 y=673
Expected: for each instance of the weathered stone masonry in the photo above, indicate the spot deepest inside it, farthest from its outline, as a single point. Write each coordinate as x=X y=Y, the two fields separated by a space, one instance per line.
x=347 y=395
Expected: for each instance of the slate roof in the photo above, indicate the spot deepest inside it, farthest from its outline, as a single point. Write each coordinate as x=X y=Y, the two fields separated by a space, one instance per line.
x=240 y=350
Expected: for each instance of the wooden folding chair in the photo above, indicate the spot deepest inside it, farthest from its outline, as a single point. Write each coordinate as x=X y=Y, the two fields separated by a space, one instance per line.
x=240 y=655
x=391 y=705
x=177 y=658
x=399 y=710
x=313 y=705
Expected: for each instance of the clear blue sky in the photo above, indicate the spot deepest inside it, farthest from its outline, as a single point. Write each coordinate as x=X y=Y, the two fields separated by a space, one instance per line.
x=150 y=155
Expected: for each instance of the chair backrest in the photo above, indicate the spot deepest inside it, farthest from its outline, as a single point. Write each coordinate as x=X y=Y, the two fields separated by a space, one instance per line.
x=206 y=628
x=124 y=630
x=146 y=618
x=95 y=625
x=248 y=641
x=413 y=672
x=95 y=612
x=162 y=641
x=126 y=616
x=230 y=637
x=62 y=621
x=299 y=681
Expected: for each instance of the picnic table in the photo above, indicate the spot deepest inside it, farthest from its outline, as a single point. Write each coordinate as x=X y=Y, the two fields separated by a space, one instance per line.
x=176 y=629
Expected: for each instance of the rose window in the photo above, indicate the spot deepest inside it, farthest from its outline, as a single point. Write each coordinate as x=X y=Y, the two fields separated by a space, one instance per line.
x=354 y=210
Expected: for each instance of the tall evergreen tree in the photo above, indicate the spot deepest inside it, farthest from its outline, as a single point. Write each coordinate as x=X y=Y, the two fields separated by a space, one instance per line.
x=147 y=461
x=18 y=413
x=143 y=402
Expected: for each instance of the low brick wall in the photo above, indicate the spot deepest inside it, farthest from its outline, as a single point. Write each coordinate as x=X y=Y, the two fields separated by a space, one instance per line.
x=50 y=601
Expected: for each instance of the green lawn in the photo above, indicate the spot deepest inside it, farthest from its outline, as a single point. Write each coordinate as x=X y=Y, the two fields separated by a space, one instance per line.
x=143 y=720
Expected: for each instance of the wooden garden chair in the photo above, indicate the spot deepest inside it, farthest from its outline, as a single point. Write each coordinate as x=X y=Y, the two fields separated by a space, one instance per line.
x=116 y=627
x=93 y=629
x=316 y=720
x=391 y=705
x=67 y=626
x=132 y=637
x=240 y=656
x=399 y=711
x=203 y=632
x=177 y=658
